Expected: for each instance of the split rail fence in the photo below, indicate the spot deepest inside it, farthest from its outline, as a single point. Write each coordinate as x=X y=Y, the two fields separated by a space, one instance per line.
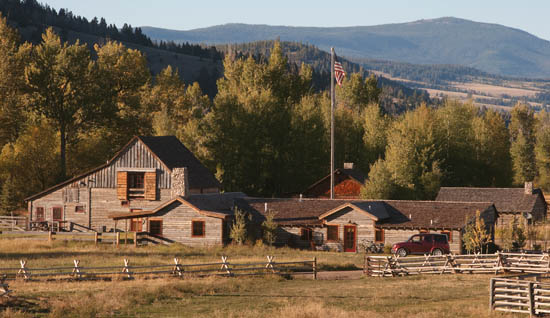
x=388 y=266
x=115 y=238
x=176 y=269
x=521 y=294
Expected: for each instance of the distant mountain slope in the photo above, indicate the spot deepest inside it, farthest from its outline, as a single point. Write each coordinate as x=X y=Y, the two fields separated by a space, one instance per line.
x=489 y=47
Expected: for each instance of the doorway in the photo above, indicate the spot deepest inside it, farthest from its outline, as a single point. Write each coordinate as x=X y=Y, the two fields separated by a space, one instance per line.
x=350 y=238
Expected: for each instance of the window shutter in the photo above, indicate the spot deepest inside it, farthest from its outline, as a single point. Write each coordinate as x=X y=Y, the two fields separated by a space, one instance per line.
x=122 y=185
x=151 y=185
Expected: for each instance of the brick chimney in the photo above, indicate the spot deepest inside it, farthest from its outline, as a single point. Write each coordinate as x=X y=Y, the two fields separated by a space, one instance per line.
x=180 y=182
x=348 y=165
x=528 y=188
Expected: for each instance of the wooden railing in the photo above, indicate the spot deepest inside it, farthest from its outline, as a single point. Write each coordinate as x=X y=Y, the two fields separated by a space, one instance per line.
x=382 y=266
x=520 y=294
x=13 y=223
x=177 y=269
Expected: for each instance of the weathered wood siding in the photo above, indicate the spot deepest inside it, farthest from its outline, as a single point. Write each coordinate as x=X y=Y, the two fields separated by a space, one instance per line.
x=539 y=210
x=349 y=216
x=135 y=156
x=177 y=218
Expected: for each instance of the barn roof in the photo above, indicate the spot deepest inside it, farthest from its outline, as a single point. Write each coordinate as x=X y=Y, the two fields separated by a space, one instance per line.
x=218 y=205
x=355 y=174
x=432 y=214
x=506 y=200
x=169 y=151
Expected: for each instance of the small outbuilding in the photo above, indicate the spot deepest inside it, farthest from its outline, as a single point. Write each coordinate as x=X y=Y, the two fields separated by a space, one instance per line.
x=347 y=184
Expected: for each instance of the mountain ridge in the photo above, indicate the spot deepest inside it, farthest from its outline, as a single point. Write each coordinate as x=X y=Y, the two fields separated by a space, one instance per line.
x=489 y=47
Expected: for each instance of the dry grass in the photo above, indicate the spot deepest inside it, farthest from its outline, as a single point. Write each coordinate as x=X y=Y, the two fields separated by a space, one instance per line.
x=62 y=253
x=426 y=296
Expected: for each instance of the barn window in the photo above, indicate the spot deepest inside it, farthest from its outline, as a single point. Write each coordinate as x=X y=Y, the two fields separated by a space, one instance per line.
x=197 y=228
x=449 y=235
x=79 y=209
x=332 y=233
x=57 y=214
x=155 y=227
x=40 y=214
x=136 y=225
x=379 y=235
x=306 y=234
x=136 y=185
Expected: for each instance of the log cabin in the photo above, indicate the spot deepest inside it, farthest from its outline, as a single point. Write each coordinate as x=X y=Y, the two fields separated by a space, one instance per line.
x=347 y=184
x=343 y=225
x=144 y=175
x=526 y=204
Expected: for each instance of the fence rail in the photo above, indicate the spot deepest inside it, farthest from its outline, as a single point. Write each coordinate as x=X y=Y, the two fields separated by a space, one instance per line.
x=520 y=294
x=385 y=266
x=13 y=223
x=176 y=269
x=115 y=238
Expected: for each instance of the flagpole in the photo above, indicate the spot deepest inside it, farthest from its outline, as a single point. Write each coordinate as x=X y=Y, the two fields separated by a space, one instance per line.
x=332 y=102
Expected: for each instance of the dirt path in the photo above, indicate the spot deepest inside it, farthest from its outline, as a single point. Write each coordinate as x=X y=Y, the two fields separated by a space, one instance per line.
x=339 y=275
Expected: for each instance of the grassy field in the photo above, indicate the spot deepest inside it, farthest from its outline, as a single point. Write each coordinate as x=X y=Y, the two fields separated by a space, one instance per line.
x=423 y=296
x=269 y=296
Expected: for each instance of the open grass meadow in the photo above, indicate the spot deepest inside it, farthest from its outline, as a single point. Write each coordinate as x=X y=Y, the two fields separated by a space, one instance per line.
x=267 y=296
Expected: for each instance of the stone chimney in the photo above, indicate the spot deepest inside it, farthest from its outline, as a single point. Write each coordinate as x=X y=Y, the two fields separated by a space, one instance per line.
x=348 y=165
x=180 y=182
x=528 y=188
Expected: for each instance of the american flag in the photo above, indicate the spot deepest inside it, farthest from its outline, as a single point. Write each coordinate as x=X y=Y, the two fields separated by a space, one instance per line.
x=339 y=72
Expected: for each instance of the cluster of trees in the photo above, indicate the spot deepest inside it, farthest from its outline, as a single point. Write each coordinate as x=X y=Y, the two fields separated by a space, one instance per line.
x=32 y=13
x=265 y=133
x=460 y=145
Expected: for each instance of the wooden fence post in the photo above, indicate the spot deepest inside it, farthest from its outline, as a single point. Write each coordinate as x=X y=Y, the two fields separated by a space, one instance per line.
x=96 y=238
x=491 y=294
x=178 y=269
x=126 y=268
x=23 y=270
x=532 y=299
x=225 y=266
x=117 y=238
x=76 y=269
x=270 y=263
x=50 y=236
x=135 y=239
x=314 y=267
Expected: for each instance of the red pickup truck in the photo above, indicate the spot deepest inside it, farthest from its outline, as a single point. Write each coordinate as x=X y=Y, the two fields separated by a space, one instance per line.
x=425 y=243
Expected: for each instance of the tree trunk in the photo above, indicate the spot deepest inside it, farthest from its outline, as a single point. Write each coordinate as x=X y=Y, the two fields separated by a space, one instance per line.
x=62 y=151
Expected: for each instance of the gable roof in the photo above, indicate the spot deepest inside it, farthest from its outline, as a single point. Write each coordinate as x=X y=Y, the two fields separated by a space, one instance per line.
x=431 y=214
x=168 y=150
x=217 y=205
x=352 y=173
x=507 y=200
x=387 y=213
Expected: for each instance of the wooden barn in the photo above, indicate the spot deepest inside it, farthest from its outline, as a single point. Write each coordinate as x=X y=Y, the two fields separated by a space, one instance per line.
x=345 y=224
x=525 y=203
x=347 y=184
x=146 y=173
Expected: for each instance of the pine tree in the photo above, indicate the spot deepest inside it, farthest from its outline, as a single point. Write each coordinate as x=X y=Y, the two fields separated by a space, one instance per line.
x=522 y=150
x=238 y=231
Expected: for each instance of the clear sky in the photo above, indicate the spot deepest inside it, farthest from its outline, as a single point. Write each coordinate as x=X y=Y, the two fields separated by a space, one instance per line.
x=532 y=16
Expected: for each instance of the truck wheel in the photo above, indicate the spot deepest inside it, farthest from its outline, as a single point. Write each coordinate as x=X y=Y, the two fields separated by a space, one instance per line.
x=437 y=252
x=402 y=252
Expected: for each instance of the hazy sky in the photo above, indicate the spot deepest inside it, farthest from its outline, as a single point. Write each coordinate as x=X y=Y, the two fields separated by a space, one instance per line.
x=529 y=15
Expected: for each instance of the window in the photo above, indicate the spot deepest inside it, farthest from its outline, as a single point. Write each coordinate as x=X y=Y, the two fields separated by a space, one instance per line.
x=449 y=235
x=79 y=209
x=136 y=225
x=136 y=180
x=332 y=233
x=379 y=235
x=57 y=214
x=305 y=234
x=155 y=227
x=40 y=214
x=136 y=185
x=197 y=228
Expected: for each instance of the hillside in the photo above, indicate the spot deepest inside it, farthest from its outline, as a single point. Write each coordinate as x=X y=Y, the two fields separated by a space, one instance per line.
x=488 y=47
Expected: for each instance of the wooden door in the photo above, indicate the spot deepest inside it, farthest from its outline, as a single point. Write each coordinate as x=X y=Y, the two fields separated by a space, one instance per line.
x=136 y=225
x=57 y=214
x=350 y=238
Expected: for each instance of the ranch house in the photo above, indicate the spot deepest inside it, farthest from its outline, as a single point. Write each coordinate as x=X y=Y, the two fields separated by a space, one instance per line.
x=526 y=204
x=345 y=224
x=347 y=184
x=144 y=175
